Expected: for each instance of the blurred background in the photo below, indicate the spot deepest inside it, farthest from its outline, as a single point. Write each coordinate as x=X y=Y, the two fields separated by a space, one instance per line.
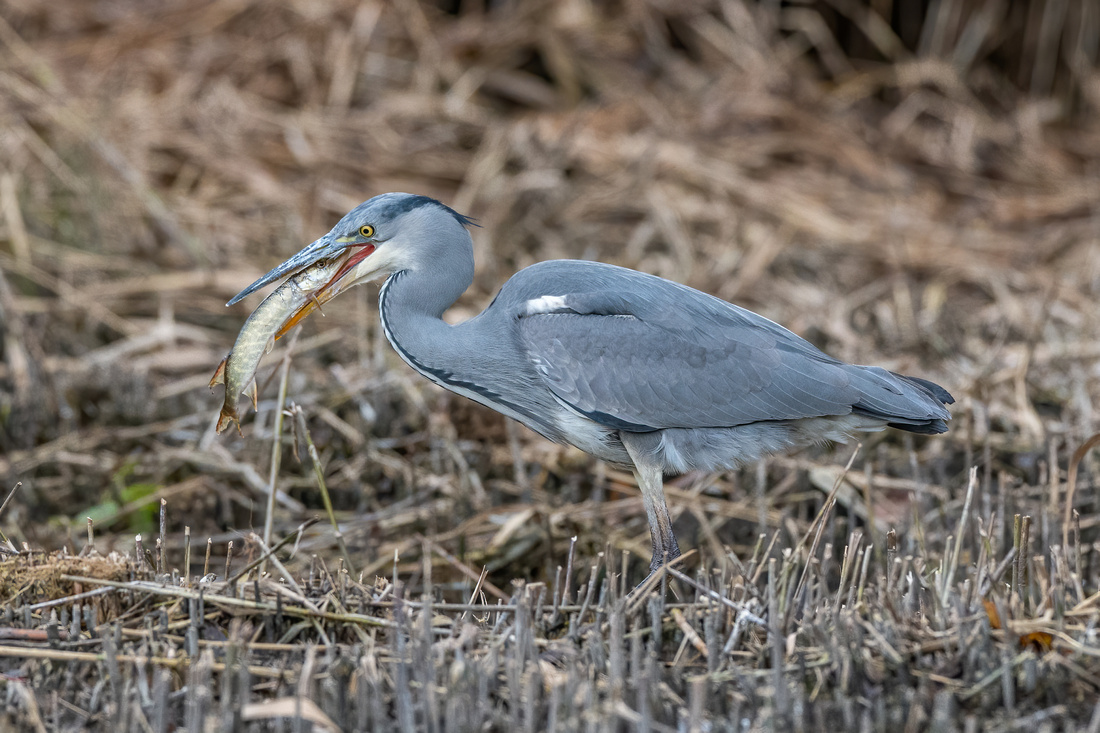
x=910 y=184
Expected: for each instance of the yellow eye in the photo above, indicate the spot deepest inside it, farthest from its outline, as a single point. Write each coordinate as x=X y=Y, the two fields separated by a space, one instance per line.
x=366 y=231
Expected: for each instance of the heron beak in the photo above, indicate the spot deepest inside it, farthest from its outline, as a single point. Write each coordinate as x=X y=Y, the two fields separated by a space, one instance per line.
x=324 y=247
x=347 y=261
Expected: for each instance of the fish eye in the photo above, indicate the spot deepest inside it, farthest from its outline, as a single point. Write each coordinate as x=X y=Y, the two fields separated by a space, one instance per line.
x=366 y=231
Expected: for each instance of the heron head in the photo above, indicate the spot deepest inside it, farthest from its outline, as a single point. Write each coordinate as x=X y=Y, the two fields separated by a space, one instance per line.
x=388 y=233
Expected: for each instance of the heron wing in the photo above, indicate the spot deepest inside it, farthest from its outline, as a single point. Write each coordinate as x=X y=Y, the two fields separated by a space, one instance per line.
x=677 y=358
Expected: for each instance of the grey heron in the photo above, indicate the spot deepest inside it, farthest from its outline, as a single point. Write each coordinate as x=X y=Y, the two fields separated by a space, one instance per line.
x=639 y=371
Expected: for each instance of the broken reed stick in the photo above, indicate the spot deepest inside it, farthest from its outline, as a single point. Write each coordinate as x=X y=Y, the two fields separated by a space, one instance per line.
x=1071 y=484
x=319 y=476
x=277 y=440
x=228 y=558
x=8 y=498
x=953 y=560
x=267 y=552
x=187 y=556
x=819 y=525
x=566 y=589
x=159 y=589
x=161 y=554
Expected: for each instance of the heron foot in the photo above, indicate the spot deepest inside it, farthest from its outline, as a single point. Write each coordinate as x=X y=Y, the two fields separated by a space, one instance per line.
x=656 y=566
x=663 y=555
x=645 y=586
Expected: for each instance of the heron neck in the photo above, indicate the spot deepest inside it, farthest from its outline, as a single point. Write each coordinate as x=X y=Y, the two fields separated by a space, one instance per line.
x=411 y=306
x=473 y=358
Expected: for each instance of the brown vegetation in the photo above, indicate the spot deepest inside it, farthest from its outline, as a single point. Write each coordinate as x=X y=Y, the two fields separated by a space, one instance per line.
x=920 y=191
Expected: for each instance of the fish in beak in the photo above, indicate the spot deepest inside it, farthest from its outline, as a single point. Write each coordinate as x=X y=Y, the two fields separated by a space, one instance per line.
x=318 y=274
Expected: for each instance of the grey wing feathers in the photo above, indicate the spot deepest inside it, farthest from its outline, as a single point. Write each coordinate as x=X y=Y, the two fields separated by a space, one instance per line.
x=645 y=354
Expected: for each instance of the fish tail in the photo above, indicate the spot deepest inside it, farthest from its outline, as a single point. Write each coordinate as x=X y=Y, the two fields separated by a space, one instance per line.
x=228 y=415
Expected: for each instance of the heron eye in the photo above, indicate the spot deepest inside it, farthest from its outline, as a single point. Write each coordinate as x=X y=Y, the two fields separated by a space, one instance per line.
x=366 y=231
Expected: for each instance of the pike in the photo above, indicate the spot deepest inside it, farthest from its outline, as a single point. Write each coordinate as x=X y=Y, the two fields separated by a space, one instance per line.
x=301 y=294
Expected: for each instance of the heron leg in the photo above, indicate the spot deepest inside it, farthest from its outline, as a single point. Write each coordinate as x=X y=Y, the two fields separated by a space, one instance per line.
x=650 y=476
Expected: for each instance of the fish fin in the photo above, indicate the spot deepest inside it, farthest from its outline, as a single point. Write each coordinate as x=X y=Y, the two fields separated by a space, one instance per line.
x=219 y=373
x=251 y=390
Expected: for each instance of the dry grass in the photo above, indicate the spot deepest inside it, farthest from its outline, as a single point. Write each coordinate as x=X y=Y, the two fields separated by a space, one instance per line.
x=921 y=193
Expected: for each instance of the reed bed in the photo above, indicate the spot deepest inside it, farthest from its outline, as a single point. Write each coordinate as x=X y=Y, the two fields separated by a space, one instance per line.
x=916 y=190
x=983 y=636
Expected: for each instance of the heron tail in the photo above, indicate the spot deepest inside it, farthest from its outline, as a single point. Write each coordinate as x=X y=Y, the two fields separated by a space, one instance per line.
x=907 y=403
